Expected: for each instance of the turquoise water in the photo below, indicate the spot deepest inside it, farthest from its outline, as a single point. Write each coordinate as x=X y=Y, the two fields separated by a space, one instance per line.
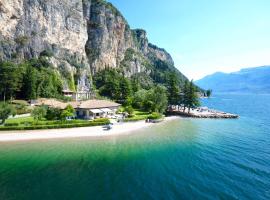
x=182 y=159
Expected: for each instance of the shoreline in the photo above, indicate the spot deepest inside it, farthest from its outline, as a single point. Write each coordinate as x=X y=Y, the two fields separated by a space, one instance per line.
x=203 y=112
x=84 y=132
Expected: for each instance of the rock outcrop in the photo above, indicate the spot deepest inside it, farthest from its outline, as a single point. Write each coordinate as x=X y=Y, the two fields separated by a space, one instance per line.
x=85 y=35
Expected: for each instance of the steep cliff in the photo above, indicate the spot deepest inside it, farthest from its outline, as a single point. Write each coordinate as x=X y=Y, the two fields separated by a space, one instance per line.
x=84 y=36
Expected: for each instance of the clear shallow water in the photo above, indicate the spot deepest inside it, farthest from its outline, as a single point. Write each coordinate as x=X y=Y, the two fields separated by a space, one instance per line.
x=182 y=159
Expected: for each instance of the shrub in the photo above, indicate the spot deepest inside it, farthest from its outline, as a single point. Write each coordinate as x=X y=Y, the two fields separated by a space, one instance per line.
x=22 y=40
x=68 y=112
x=129 y=110
x=55 y=126
x=6 y=110
x=12 y=124
x=46 y=53
x=101 y=120
x=39 y=112
x=135 y=118
x=53 y=114
x=155 y=116
x=27 y=123
x=22 y=111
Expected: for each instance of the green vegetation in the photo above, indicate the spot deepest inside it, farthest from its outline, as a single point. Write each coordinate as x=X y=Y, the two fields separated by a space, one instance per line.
x=29 y=80
x=22 y=40
x=21 y=107
x=113 y=85
x=39 y=113
x=137 y=116
x=47 y=53
x=173 y=90
x=156 y=100
x=190 y=98
x=21 y=120
x=208 y=93
x=67 y=113
x=152 y=98
x=141 y=81
x=155 y=116
x=29 y=123
x=5 y=111
x=129 y=110
x=10 y=79
x=48 y=113
x=53 y=114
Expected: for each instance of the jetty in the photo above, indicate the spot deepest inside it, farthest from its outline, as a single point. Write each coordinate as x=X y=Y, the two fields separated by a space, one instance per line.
x=201 y=112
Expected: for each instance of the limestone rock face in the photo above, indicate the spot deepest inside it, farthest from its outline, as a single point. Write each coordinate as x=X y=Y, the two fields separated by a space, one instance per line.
x=29 y=27
x=157 y=53
x=109 y=36
x=88 y=34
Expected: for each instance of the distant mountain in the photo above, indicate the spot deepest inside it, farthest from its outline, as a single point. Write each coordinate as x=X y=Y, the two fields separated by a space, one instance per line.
x=249 y=80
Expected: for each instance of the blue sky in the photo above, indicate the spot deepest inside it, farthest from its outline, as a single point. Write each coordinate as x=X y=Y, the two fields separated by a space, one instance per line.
x=205 y=36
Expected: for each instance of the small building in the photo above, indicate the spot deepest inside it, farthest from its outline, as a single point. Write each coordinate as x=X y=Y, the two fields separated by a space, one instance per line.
x=89 y=109
x=68 y=93
x=92 y=109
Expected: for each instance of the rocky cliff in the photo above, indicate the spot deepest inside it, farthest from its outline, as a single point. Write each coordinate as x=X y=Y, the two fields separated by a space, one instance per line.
x=84 y=35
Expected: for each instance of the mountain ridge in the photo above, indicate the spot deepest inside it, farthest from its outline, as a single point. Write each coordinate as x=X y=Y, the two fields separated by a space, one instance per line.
x=246 y=80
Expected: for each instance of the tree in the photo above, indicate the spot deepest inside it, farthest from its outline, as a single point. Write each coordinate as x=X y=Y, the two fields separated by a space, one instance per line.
x=156 y=100
x=148 y=105
x=159 y=98
x=129 y=110
x=29 y=86
x=49 y=84
x=208 y=93
x=68 y=112
x=112 y=84
x=6 y=110
x=110 y=89
x=135 y=85
x=53 y=114
x=39 y=79
x=185 y=97
x=38 y=113
x=173 y=90
x=139 y=99
x=125 y=89
x=192 y=100
x=70 y=109
x=107 y=82
x=10 y=79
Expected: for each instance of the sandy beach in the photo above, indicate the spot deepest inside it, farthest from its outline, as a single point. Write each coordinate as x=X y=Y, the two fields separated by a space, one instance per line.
x=98 y=131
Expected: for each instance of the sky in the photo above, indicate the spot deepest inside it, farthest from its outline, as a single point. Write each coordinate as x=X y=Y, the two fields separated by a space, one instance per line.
x=205 y=36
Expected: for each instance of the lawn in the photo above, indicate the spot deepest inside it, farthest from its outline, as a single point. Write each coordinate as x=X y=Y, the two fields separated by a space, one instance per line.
x=141 y=115
x=138 y=115
x=20 y=120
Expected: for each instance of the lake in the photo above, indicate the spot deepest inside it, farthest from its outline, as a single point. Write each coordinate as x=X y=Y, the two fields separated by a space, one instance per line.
x=180 y=159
